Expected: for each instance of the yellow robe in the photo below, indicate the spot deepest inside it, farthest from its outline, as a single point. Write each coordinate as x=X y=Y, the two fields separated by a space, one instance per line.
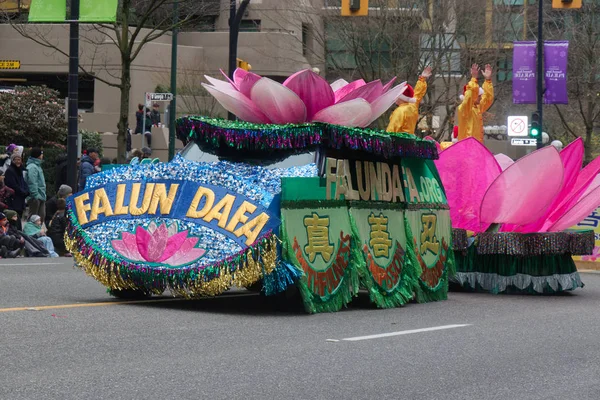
x=406 y=115
x=470 y=121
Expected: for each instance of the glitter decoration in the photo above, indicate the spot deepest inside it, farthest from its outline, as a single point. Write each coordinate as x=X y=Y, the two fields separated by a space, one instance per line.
x=269 y=142
x=459 y=239
x=533 y=244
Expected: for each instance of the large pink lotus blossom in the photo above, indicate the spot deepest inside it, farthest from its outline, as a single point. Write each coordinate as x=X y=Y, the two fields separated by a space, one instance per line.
x=303 y=97
x=545 y=191
x=159 y=244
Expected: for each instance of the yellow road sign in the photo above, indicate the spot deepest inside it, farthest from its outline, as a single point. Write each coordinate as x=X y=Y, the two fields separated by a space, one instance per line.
x=10 y=64
x=566 y=4
x=355 y=8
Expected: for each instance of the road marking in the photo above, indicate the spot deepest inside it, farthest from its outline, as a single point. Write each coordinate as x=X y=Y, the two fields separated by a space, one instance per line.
x=114 y=303
x=27 y=264
x=384 y=335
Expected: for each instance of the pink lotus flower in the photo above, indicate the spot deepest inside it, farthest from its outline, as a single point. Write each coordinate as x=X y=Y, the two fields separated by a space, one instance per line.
x=545 y=191
x=159 y=244
x=303 y=97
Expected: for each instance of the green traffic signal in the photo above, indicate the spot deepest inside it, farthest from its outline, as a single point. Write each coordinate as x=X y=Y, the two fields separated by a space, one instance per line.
x=535 y=131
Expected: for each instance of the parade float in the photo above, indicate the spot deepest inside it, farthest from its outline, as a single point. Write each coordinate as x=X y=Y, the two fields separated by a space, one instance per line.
x=370 y=213
x=511 y=220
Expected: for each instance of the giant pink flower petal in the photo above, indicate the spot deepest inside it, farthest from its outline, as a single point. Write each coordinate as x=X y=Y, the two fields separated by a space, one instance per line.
x=278 y=103
x=158 y=243
x=388 y=85
x=522 y=193
x=143 y=238
x=343 y=91
x=173 y=245
x=467 y=169
x=312 y=89
x=236 y=103
x=247 y=83
x=355 y=112
x=369 y=92
x=219 y=84
x=578 y=212
x=238 y=75
x=340 y=83
x=127 y=247
x=504 y=161
x=384 y=102
x=186 y=253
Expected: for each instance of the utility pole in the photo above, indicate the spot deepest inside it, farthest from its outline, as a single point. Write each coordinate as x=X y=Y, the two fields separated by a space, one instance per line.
x=173 y=106
x=73 y=109
x=540 y=78
x=235 y=18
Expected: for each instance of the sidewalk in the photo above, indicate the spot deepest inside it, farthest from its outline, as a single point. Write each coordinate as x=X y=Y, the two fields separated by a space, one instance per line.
x=584 y=266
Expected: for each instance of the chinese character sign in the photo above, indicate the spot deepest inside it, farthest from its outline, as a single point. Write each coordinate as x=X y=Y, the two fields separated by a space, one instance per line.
x=555 y=60
x=524 y=83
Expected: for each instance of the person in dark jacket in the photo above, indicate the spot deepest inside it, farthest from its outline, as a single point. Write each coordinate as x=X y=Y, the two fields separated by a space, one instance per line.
x=64 y=191
x=14 y=179
x=11 y=243
x=155 y=114
x=57 y=228
x=5 y=193
x=33 y=247
x=139 y=115
x=61 y=172
x=87 y=167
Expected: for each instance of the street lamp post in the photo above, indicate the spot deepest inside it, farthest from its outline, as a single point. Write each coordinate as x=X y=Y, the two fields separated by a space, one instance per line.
x=173 y=106
x=235 y=18
x=540 y=82
x=73 y=109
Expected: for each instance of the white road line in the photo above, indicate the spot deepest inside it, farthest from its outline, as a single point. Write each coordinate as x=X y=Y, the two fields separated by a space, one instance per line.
x=383 y=335
x=27 y=264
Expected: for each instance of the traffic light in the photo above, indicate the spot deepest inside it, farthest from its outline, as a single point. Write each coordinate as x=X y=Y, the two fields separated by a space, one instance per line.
x=243 y=65
x=355 y=8
x=566 y=4
x=535 y=129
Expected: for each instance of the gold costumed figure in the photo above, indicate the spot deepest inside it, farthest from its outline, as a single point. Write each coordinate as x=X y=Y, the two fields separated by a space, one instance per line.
x=404 y=119
x=475 y=101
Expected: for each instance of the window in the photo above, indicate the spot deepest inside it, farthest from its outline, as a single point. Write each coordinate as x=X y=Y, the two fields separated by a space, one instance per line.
x=305 y=38
x=504 y=70
x=250 y=25
x=508 y=26
x=200 y=23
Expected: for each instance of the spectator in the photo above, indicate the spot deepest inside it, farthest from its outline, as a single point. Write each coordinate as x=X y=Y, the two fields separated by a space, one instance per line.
x=155 y=115
x=133 y=154
x=5 y=158
x=15 y=180
x=146 y=152
x=36 y=182
x=139 y=114
x=61 y=171
x=10 y=245
x=57 y=228
x=87 y=167
x=5 y=193
x=33 y=247
x=33 y=228
x=63 y=192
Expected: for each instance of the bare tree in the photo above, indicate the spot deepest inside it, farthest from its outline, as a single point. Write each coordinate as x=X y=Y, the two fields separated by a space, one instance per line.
x=139 y=22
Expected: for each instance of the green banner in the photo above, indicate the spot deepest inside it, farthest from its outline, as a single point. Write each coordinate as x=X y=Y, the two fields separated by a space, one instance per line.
x=98 y=10
x=48 y=11
x=421 y=183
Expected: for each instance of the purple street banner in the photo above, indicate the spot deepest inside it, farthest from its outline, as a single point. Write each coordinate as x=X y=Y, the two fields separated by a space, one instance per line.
x=524 y=67
x=555 y=60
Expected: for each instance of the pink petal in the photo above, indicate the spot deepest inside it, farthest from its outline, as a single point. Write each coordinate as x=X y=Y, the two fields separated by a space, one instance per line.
x=340 y=83
x=236 y=103
x=142 y=239
x=522 y=193
x=347 y=89
x=278 y=103
x=579 y=212
x=127 y=247
x=572 y=158
x=388 y=85
x=173 y=244
x=312 y=89
x=504 y=161
x=227 y=77
x=238 y=75
x=467 y=169
x=219 y=84
x=247 y=83
x=384 y=102
x=186 y=253
x=158 y=243
x=355 y=112
x=370 y=92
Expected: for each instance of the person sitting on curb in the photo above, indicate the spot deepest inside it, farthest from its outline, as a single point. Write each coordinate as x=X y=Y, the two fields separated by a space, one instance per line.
x=10 y=245
x=63 y=192
x=33 y=247
x=57 y=228
x=33 y=228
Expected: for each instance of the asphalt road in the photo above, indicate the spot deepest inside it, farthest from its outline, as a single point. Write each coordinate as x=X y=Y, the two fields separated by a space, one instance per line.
x=244 y=347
